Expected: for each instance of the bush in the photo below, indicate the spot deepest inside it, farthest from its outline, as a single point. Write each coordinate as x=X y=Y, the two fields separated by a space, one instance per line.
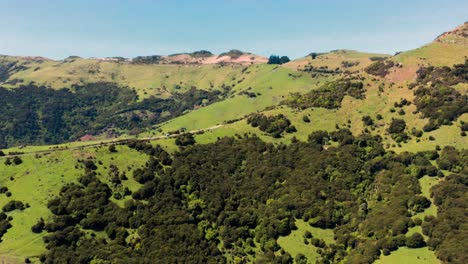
x=397 y=126
x=185 y=140
x=38 y=227
x=17 y=160
x=416 y=240
x=112 y=148
x=379 y=68
x=13 y=205
x=419 y=203
x=416 y=132
x=367 y=120
x=273 y=125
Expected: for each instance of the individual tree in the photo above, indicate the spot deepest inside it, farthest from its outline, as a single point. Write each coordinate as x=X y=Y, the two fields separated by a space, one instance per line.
x=284 y=59
x=274 y=59
x=416 y=240
x=367 y=120
x=112 y=148
x=17 y=160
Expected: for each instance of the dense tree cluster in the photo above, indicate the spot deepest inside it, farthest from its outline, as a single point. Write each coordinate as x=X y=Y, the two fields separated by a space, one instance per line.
x=440 y=104
x=41 y=115
x=445 y=76
x=448 y=230
x=233 y=54
x=274 y=59
x=153 y=59
x=13 y=205
x=274 y=125
x=185 y=139
x=328 y=96
x=380 y=68
x=4 y=223
x=235 y=197
x=397 y=129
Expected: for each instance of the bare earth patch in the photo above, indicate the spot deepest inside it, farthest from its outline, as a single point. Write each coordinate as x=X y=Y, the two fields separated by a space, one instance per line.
x=403 y=74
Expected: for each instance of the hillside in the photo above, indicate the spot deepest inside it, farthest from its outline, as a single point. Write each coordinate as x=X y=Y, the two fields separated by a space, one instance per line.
x=340 y=157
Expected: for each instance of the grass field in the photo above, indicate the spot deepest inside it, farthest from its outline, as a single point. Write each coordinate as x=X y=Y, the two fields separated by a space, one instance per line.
x=427 y=183
x=271 y=83
x=157 y=80
x=39 y=179
x=334 y=59
x=435 y=53
x=294 y=242
x=406 y=255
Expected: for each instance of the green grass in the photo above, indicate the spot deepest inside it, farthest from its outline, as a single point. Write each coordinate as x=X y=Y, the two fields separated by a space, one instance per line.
x=271 y=83
x=157 y=80
x=406 y=255
x=334 y=60
x=427 y=183
x=37 y=180
x=436 y=54
x=294 y=242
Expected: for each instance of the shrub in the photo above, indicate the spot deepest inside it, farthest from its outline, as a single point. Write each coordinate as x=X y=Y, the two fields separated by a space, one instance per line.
x=367 y=120
x=185 y=140
x=397 y=126
x=419 y=203
x=273 y=125
x=17 y=160
x=38 y=227
x=416 y=240
x=112 y=148
x=13 y=205
x=379 y=68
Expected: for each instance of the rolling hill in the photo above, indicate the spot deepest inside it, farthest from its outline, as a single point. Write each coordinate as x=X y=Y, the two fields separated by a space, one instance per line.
x=341 y=157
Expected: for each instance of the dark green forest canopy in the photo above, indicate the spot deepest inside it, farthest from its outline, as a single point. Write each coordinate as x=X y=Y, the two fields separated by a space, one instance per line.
x=235 y=197
x=39 y=115
x=438 y=101
x=273 y=125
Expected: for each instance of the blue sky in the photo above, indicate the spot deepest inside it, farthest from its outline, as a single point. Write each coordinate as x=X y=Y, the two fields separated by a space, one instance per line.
x=101 y=28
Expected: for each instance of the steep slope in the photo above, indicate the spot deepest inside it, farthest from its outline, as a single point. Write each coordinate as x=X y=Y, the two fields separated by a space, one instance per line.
x=447 y=49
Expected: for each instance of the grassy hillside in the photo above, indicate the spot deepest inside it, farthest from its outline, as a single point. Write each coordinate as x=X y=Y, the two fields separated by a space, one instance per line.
x=44 y=176
x=390 y=92
x=343 y=59
x=157 y=80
